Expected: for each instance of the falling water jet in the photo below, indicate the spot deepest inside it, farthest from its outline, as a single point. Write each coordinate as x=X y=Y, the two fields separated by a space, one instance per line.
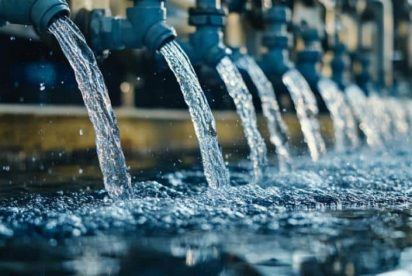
x=278 y=67
x=276 y=126
x=307 y=111
x=358 y=102
x=215 y=170
x=346 y=133
x=244 y=105
x=145 y=26
x=90 y=80
x=381 y=115
x=398 y=114
x=308 y=63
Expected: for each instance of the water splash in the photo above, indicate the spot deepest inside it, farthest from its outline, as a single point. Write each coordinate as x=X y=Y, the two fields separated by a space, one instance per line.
x=205 y=127
x=361 y=110
x=180 y=201
x=276 y=126
x=311 y=209
x=96 y=99
x=307 y=111
x=244 y=105
x=346 y=133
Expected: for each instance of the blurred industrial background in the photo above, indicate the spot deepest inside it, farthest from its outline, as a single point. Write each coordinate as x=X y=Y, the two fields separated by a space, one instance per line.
x=367 y=41
x=379 y=32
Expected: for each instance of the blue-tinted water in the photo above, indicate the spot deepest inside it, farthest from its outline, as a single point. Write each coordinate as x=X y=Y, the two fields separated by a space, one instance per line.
x=346 y=214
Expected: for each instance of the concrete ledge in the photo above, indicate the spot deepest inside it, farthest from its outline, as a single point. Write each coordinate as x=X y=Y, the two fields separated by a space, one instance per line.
x=29 y=129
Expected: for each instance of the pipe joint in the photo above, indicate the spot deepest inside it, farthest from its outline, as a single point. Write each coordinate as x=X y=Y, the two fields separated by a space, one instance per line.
x=144 y=26
x=38 y=13
x=206 y=43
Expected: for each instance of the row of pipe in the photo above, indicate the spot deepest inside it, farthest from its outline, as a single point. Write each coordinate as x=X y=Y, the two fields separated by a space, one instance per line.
x=144 y=26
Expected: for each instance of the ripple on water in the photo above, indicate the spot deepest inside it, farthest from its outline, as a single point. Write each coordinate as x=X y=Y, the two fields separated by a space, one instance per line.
x=181 y=202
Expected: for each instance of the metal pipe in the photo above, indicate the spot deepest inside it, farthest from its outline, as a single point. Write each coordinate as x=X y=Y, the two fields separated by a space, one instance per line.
x=144 y=26
x=206 y=45
x=385 y=36
x=276 y=61
x=38 y=13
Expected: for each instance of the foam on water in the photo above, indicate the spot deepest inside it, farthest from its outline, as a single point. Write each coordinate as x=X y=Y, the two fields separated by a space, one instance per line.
x=214 y=167
x=270 y=107
x=244 y=106
x=346 y=133
x=306 y=110
x=96 y=99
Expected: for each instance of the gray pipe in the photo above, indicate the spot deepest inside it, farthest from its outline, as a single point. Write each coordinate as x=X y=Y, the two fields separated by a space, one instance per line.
x=384 y=13
x=38 y=13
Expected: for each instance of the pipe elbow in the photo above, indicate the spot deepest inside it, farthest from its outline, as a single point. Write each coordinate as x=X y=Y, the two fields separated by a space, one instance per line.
x=148 y=19
x=276 y=63
x=216 y=54
x=144 y=26
x=39 y=13
x=207 y=48
x=158 y=35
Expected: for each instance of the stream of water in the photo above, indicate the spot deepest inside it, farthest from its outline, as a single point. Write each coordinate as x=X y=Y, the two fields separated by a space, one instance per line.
x=244 y=106
x=306 y=110
x=96 y=99
x=381 y=116
x=346 y=133
x=362 y=110
x=399 y=115
x=347 y=214
x=270 y=107
x=201 y=114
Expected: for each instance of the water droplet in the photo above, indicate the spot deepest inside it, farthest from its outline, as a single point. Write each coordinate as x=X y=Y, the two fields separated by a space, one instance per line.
x=81 y=132
x=42 y=86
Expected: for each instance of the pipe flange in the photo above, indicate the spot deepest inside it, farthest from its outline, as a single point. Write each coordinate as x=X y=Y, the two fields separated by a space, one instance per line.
x=309 y=56
x=276 y=41
x=207 y=17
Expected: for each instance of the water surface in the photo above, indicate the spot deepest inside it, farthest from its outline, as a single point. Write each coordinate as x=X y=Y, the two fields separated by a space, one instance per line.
x=346 y=214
